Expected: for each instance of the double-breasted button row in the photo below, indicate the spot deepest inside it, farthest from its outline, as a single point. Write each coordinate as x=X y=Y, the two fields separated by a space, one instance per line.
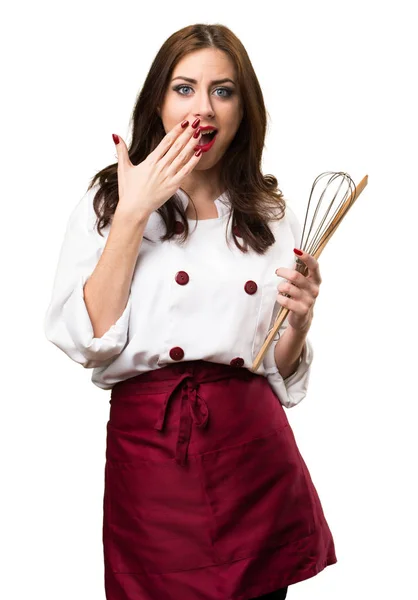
x=177 y=353
x=182 y=278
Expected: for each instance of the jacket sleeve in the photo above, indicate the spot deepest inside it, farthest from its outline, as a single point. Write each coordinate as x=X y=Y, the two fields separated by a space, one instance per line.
x=293 y=389
x=67 y=323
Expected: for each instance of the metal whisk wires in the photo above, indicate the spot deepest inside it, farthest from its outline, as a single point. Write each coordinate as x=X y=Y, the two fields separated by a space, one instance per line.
x=316 y=239
x=325 y=229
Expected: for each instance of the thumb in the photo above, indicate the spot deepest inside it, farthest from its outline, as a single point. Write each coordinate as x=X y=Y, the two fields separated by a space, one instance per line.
x=121 y=149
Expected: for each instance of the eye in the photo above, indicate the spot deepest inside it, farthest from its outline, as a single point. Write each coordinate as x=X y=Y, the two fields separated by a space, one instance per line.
x=180 y=87
x=223 y=89
x=230 y=92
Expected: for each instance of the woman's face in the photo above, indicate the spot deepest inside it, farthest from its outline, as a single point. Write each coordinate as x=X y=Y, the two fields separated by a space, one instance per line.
x=216 y=104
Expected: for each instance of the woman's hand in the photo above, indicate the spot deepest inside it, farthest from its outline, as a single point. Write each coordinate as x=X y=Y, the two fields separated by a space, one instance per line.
x=143 y=188
x=303 y=291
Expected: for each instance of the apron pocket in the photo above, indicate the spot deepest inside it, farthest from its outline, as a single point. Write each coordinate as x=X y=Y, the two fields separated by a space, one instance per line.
x=156 y=519
x=259 y=495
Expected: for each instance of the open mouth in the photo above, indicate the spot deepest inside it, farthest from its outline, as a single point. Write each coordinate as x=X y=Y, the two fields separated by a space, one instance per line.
x=206 y=138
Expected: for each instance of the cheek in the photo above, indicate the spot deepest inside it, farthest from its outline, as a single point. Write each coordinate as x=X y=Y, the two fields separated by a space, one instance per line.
x=230 y=131
x=228 y=137
x=233 y=127
x=172 y=112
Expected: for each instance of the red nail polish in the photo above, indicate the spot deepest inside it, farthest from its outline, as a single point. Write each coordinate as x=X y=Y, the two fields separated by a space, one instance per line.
x=196 y=133
x=115 y=138
x=198 y=153
x=298 y=252
x=195 y=123
x=184 y=124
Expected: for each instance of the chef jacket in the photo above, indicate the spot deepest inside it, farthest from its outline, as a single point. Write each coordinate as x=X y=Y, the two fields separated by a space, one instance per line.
x=203 y=300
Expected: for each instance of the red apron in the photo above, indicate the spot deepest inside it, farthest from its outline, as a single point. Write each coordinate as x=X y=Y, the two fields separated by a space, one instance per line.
x=206 y=494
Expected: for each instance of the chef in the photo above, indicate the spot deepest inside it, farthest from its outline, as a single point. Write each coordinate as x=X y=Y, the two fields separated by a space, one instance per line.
x=168 y=298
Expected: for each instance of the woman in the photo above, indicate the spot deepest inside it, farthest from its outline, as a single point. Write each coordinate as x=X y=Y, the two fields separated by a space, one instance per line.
x=206 y=494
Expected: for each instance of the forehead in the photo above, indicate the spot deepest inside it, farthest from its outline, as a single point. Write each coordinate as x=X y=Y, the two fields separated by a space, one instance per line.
x=208 y=62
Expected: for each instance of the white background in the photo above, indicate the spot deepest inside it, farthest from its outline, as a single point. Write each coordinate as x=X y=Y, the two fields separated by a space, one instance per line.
x=339 y=81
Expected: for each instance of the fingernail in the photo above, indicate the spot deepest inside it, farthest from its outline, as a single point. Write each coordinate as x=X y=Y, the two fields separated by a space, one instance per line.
x=115 y=138
x=195 y=123
x=298 y=252
x=184 y=124
x=196 y=133
x=198 y=153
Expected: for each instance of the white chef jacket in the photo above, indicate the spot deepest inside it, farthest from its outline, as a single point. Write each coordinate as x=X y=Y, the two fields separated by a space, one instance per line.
x=204 y=300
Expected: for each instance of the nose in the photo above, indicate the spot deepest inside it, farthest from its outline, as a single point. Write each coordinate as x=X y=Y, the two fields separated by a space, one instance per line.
x=203 y=106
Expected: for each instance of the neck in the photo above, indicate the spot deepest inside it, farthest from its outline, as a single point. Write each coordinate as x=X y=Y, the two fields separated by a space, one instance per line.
x=203 y=186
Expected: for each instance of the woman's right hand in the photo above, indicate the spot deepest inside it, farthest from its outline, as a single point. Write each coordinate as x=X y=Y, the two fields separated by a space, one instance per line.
x=143 y=188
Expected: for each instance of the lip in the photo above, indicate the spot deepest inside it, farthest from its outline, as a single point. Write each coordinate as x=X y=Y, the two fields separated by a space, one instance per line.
x=208 y=146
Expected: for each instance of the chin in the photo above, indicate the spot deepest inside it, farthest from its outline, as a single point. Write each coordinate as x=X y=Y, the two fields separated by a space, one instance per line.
x=209 y=164
x=210 y=160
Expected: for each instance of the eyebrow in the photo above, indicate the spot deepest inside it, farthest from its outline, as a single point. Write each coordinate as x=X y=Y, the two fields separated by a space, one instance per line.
x=215 y=81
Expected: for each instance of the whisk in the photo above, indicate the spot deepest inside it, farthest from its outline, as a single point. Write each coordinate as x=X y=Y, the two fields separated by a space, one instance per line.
x=315 y=244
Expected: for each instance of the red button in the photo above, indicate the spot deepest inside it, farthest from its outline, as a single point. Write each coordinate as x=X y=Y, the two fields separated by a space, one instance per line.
x=176 y=353
x=178 y=227
x=237 y=362
x=236 y=230
x=250 y=287
x=182 y=278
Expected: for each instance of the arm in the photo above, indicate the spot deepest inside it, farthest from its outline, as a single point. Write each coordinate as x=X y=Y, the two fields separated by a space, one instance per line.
x=106 y=292
x=288 y=351
x=288 y=360
x=91 y=330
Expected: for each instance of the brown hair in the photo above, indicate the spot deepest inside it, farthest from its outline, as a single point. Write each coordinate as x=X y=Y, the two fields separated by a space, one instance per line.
x=255 y=198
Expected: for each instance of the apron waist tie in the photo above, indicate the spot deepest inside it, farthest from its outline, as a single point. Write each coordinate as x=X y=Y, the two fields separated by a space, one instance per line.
x=193 y=409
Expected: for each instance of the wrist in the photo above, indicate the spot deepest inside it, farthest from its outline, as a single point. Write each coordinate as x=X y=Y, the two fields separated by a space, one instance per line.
x=299 y=333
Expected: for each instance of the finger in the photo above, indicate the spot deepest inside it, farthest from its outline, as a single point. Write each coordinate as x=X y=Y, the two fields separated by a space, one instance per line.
x=122 y=151
x=305 y=297
x=287 y=288
x=172 y=143
x=186 y=154
x=181 y=146
x=295 y=306
x=311 y=263
x=298 y=279
x=189 y=166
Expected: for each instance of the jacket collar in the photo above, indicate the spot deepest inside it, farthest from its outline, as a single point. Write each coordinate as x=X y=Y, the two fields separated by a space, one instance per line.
x=223 y=203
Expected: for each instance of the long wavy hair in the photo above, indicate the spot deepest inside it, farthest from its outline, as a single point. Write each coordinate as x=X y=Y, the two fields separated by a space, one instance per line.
x=255 y=198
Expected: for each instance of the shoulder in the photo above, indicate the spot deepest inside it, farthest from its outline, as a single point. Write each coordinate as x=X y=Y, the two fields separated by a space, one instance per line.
x=286 y=217
x=83 y=214
x=294 y=222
